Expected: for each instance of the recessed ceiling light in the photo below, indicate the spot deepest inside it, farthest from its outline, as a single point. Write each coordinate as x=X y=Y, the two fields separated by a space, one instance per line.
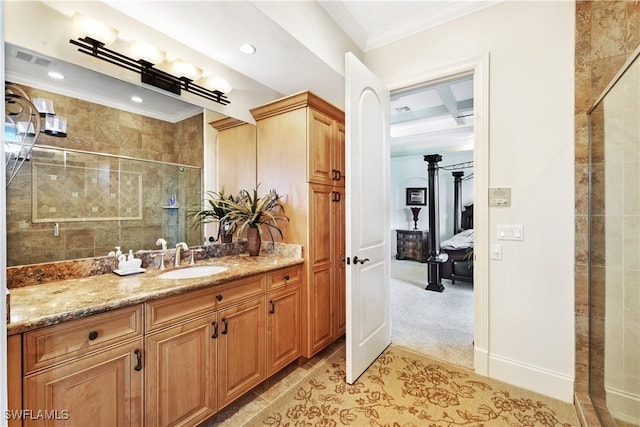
x=247 y=49
x=136 y=99
x=55 y=75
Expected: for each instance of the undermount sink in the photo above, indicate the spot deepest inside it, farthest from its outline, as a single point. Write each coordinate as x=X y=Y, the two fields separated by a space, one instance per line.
x=193 y=272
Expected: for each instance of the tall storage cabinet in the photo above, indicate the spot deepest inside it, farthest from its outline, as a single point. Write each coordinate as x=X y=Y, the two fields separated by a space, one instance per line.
x=300 y=152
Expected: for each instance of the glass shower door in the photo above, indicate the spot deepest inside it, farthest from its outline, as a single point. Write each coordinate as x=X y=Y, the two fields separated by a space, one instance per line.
x=614 y=368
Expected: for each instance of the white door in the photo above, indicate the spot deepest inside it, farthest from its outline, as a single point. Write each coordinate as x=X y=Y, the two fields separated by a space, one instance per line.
x=367 y=223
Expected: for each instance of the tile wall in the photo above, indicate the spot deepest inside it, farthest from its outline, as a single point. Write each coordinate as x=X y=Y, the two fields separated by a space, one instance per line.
x=607 y=33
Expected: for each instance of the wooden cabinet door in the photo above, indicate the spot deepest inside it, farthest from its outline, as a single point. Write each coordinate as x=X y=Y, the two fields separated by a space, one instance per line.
x=339 y=265
x=321 y=138
x=283 y=328
x=338 y=155
x=100 y=390
x=14 y=377
x=241 y=349
x=181 y=374
x=319 y=269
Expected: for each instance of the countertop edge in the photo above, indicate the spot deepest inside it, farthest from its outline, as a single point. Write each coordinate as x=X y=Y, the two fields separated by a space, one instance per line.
x=175 y=287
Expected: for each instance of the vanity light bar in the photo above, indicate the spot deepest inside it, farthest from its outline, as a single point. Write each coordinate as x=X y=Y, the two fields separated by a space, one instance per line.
x=148 y=74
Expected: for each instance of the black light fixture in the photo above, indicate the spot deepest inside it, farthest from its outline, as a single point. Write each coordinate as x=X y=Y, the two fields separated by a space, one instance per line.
x=148 y=73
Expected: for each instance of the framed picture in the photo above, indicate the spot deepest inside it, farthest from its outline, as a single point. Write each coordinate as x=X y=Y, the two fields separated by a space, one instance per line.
x=416 y=196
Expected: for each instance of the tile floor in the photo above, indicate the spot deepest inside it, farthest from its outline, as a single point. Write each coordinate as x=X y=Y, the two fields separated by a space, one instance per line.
x=248 y=406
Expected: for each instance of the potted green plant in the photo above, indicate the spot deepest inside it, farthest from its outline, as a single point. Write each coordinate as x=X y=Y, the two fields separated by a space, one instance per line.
x=216 y=211
x=255 y=213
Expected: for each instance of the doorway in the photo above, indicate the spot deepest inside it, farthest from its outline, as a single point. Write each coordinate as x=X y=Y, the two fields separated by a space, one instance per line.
x=468 y=144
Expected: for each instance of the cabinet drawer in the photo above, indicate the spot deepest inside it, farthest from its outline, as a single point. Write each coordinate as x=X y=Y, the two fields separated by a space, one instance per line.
x=54 y=344
x=167 y=311
x=239 y=290
x=279 y=278
x=171 y=310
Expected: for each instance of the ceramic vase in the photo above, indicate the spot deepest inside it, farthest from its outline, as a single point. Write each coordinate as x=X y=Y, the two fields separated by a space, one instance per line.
x=253 y=241
x=226 y=237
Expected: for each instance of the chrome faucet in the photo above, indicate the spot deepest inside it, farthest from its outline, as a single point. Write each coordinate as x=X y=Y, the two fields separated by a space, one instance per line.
x=181 y=245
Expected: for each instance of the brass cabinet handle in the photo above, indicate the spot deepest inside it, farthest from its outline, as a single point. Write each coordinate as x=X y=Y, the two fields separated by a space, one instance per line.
x=93 y=335
x=273 y=307
x=225 y=331
x=219 y=297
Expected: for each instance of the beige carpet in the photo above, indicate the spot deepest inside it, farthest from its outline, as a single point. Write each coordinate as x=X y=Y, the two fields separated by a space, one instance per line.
x=406 y=389
x=439 y=325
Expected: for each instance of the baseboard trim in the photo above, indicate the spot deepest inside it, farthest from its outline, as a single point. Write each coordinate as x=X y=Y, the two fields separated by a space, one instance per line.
x=623 y=405
x=539 y=380
x=481 y=361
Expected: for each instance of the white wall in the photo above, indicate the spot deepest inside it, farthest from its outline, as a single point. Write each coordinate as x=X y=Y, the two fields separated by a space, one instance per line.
x=411 y=171
x=531 y=102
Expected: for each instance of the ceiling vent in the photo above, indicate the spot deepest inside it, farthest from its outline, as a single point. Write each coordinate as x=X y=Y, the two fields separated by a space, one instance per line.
x=29 y=57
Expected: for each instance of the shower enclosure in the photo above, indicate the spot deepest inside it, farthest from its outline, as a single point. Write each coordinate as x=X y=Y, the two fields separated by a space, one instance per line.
x=614 y=222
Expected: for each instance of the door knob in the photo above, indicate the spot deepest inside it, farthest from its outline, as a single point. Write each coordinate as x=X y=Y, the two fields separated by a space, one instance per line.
x=357 y=260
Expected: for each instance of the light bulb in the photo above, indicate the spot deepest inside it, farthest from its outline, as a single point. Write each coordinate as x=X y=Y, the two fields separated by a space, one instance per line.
x=44 y=106
x=217 y=83
x=55 y=125
x=184 y=69
x=84 y=26
x=146 y=52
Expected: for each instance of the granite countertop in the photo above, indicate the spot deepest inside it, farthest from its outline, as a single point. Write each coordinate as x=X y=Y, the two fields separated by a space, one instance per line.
x=47 y=304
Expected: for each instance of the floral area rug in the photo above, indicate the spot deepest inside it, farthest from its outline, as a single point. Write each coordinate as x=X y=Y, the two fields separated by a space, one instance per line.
x=405 y=389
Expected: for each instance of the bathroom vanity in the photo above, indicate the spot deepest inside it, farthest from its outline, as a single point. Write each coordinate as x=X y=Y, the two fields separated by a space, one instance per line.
x=141 y=350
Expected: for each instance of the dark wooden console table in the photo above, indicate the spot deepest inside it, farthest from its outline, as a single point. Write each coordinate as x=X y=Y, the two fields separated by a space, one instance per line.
x=412 y=244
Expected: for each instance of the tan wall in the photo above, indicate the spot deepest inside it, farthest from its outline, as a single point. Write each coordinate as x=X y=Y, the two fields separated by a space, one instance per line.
x=99 y=129
x=607 y=33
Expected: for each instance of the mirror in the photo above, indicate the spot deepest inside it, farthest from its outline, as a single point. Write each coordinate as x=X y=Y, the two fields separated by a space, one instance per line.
x=109 y=182
x=68 y=205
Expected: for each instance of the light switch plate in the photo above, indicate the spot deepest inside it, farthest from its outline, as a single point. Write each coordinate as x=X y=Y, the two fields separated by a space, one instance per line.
x=500 y=196
x=496 y=251
x=510 y=232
